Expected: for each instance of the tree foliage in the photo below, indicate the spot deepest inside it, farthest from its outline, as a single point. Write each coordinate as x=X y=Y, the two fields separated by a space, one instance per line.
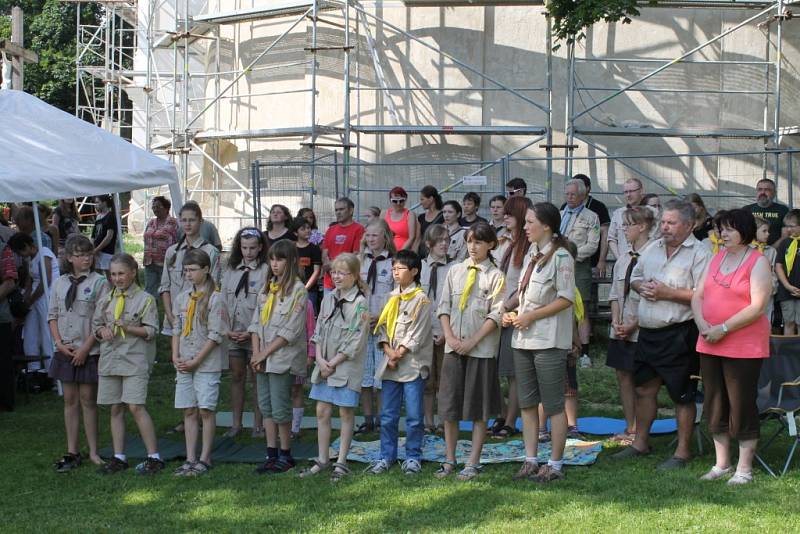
x=50 y=30
x=571 y=18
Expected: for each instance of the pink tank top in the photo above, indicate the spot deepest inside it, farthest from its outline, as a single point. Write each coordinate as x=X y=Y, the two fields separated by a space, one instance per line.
x=723 y=297
x=398 y=228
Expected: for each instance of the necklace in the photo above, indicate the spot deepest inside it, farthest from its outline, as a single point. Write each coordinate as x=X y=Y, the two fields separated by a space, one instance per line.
x=725 y=280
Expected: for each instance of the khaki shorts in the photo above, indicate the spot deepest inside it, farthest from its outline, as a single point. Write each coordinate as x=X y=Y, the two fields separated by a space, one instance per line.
x=275 y=396
x=790 y=309
x=432 y=383
x=197 y=390
x=540 y=378
x=116 y=389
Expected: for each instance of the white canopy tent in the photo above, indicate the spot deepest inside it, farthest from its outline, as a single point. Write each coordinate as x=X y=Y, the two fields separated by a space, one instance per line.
x=46 y=153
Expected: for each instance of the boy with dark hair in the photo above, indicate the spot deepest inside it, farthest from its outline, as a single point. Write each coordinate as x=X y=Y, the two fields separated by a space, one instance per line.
x=470 y=204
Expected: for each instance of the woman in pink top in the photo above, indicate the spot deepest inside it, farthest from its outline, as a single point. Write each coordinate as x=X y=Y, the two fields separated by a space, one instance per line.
x=400 y=221
x=729 y=307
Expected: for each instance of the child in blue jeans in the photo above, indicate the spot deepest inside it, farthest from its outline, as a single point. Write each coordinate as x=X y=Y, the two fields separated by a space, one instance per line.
x=404 y=334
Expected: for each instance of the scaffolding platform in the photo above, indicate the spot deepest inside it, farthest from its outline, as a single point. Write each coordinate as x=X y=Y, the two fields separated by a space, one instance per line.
x=450 y=130
x=712 y=133
x=267 y=133
x=276 y=9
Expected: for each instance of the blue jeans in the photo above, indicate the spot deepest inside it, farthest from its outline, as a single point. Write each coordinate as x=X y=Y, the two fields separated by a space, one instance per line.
x=393 y=394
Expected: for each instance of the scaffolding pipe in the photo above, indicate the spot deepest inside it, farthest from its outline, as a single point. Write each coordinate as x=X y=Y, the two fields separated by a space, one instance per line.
x=549 y=170
x=347 y=125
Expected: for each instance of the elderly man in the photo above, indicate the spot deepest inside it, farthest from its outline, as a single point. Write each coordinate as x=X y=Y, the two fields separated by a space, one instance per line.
x=633 y=189
x=665 y=277
x=766 y=208
x=581 y=225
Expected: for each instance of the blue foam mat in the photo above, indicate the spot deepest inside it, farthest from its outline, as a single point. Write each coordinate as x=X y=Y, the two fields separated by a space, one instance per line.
x=599 y=426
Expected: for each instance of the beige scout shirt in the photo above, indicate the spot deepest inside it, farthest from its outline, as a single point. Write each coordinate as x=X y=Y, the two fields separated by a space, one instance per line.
x=287 y=320
x=241 y=307
x=512 y=273
x=485 y=302
x=584 y=230
x=425 y=282
x=629 y=305
x=384 y=281
x=412 y=331
x=547 y=283
x=343 y=329
x=214 y=329
x=616 y=232
x=457 y=249
x=129 y=355
x=682 y=270
x=172 y=278
x=75 y=325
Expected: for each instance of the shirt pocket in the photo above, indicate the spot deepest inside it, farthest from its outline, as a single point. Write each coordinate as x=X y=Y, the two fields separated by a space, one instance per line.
x=84 y=308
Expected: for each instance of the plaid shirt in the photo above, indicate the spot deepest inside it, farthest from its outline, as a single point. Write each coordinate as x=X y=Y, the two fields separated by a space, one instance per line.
x=158 y=237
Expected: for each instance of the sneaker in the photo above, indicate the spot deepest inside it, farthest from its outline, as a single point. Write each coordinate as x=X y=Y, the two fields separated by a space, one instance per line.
x=115 y=465
x=68 y=462
x=528 y=470
x=548 y=473
x=377 y=468
x=715 y=473
x=150 y=466
x=411 y=467
x=585 y=361
x=282 y=465
x=739 y=479
x=573 y=433
x=266 y=467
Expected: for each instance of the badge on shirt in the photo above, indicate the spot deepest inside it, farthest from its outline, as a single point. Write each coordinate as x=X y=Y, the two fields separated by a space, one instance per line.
x=340 y=239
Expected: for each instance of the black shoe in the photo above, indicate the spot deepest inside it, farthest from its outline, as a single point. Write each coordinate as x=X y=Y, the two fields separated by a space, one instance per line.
x=266 y=467
x=68 y=462
x=115 y=465
x=283 y=464
x=364 y=428
x=150 y=466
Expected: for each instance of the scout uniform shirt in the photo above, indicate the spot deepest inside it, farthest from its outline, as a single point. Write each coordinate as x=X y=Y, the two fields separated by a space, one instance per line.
x=287 y=319
x=191 y=340
x=412 y=330
x=172 y=278
x=583 y=229
x=342 y=327
x=434 y=291
x=682 y=270
x=457 y=249
x=511 y=272
x=75 y=322
x=241 y=306
x=129 y=355
x=628 y=304
x=485 y=302
x=616 y=231
x=547 y=282
x=381 y=285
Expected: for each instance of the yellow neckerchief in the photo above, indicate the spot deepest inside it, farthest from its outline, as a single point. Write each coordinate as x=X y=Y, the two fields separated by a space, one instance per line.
x=392 y=310
x=791 y=254
x=266 y=311
x=187 y=326
x=716 y=241
x=579 y=311
x=760 y=245
x=472 y=276
x=119 y=308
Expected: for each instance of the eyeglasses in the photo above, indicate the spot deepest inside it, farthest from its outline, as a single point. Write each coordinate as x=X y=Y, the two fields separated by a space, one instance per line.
x=398 y=200
x=514 y=191
x=398 y=268
x=340 y=274
x=628 y=191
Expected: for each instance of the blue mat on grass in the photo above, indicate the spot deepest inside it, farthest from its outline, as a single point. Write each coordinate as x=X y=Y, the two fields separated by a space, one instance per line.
x=598 y=426
x=577 y=452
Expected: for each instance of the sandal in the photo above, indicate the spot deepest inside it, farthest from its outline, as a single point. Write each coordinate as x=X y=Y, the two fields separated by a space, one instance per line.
x=364 y=428
x=505 y=432
x=315 y=468
x=430 y=430
x=498 y=424
x=469 y=472
x=68 y=462
x=183 y=469
x=445 y=469
x=198 y=468
x=339 y=472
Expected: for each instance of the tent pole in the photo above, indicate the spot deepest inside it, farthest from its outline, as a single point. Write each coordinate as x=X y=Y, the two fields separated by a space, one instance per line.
x=42 y=265
x=117 y=207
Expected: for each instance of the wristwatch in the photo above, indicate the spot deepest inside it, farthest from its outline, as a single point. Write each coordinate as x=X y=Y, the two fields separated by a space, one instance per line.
x=724 y=328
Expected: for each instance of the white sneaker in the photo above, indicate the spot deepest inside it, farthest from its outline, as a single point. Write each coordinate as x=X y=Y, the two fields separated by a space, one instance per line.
x=411 y=467
x=377 y=468
x=740 y=478
x=585 y=361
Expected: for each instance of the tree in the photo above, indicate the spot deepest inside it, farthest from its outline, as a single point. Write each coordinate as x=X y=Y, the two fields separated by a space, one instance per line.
x=572 y=17
x=50 y=31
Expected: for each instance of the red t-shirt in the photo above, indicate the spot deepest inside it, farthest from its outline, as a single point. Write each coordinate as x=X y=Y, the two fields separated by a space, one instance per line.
x=339 y=239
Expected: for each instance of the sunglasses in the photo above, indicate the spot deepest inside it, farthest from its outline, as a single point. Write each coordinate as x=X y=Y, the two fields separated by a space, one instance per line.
x=398 y=200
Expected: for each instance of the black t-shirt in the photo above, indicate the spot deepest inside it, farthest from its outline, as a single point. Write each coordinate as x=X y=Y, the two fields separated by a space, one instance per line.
x=773 y=214
x=423 y=226
x=288 y=234
x=794 y=276
x=466 y=224
x=602 y=213
x=308 y=257
x=101 y=226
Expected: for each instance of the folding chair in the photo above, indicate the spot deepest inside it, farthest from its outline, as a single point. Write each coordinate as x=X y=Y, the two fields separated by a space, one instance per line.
x=783 y=367
x=698 y=432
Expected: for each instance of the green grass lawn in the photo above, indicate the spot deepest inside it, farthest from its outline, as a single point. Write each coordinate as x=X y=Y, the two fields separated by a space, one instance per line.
x=631 y=497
